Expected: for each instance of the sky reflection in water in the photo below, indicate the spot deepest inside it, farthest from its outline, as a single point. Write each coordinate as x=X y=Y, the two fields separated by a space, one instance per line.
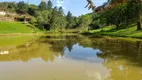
x=85 y=54
x=72 y=58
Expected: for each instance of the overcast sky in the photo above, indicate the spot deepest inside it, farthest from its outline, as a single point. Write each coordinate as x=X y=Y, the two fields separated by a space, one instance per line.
x=75 y=6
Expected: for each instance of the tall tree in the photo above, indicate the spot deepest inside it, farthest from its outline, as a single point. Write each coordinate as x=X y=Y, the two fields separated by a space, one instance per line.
x=54 y=20
x=42 y=5
x=70 y=20
x=32 y=9
x=22 y=7
x=43 y=19
x=84 y=22
x=139 y=11
x=69 y=15
x=61 y=11
x=62 y=18
x=49 y=5
x=58 y=20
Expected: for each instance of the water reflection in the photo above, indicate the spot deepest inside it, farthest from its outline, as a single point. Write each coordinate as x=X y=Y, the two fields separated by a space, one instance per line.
x=73 y=58
x=4 y=52
x=48 y=50
x=80 y=53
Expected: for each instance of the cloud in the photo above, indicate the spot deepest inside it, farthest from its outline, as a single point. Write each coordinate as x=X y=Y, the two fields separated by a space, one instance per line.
x=60 y=3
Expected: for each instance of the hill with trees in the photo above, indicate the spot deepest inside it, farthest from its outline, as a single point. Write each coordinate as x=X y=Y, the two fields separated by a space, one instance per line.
x=118 y=18
x=46 y=17
x=119 y=14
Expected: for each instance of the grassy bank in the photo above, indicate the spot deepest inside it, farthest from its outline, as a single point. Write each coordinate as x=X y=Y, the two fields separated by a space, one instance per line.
x=16 y=27
x=111 y=31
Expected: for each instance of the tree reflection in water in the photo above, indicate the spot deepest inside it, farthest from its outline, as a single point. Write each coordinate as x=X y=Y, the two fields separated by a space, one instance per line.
x=122 y=58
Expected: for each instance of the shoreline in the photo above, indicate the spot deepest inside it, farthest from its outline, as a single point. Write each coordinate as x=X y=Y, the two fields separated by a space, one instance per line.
x=110 y=35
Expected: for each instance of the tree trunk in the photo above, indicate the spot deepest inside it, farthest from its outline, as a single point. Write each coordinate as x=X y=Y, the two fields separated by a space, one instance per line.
x=117 y=27
x=139 y=23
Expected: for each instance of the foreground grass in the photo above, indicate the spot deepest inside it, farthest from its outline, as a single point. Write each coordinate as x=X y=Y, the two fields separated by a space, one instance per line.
x=111 y=31
x=16 y=27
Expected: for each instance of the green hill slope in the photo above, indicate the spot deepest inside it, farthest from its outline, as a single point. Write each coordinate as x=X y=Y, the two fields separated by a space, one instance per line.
x=16 y=27
x=110 y=31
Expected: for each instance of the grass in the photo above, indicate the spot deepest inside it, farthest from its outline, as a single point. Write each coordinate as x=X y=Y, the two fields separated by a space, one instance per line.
x=111 y=31
x=16 y=27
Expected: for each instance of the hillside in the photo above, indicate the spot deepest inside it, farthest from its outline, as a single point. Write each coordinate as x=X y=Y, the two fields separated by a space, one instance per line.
x=16 y=27
x=111 y=31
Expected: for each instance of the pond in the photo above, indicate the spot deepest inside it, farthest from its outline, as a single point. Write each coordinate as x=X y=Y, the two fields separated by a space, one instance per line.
x=70 y=57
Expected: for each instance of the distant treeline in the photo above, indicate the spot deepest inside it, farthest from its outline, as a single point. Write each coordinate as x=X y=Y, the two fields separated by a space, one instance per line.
x=47 y=17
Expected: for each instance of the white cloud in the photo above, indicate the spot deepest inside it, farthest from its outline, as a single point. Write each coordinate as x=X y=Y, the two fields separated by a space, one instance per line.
x=60 y=3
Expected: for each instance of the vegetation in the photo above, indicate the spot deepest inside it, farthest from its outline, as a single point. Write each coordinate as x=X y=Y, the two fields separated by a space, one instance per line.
x=48 y=18
x=16 y=27
x=123 y=15
x=123 y=18
x=115 y=58
x=111 y=31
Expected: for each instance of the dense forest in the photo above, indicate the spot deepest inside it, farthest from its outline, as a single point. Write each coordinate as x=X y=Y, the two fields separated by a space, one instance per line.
x=118 y=13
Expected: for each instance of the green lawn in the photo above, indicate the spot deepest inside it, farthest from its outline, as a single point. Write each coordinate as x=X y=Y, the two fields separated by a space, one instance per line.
x=111 y=31
x=15 y=27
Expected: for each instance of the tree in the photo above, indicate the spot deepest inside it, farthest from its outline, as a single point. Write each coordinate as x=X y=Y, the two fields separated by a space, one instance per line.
x=70 y=20
x=115 y=16
x=84 y=22
x=62 y=18
x=137 y=6
x=69 y=15
x=42 y=6
x=97 y=21
x=22 y=7
x=58 y=21
x=49 y=5
x=53 y=22
x=43 y=19
x=3 y=6
x=61 y=11
x=32 y=9
x=8 y=6
x=12 y=7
